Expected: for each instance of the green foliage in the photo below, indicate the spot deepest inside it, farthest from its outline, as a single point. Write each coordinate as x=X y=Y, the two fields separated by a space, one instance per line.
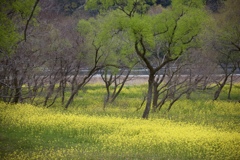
x=175 y=28
x=13 y=15
x=8 y=34
x=180 y=26
x=84 y=27
x=24 y=7
x=102 y=32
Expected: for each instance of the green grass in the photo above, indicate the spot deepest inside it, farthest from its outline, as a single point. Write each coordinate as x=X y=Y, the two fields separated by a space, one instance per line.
x=193 y=129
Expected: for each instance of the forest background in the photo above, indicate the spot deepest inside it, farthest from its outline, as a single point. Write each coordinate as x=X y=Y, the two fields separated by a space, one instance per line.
x=50 y=48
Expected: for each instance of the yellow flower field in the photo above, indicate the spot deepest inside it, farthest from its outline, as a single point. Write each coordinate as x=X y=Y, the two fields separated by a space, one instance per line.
x=29 y=132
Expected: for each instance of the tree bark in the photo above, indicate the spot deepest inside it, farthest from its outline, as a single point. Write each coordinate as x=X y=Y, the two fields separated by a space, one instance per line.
x=121 y=86
x=149 y=96
x=217 y=93
x=80 y=85
x=221 y=85
x=29 y=19
x=230 y=87
x=86 y=79
x=155 y=96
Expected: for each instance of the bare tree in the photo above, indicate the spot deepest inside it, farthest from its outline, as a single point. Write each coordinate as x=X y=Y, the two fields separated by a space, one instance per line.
x=96 y=66
x=14 y=73
x=114 y=81
x=223 y=40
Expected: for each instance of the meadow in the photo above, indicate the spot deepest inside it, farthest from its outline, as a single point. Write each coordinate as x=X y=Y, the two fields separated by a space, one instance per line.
x=198 y=128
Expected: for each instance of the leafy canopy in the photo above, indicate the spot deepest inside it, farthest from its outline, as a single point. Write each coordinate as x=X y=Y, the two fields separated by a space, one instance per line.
x=174 y=29
x=13 y=15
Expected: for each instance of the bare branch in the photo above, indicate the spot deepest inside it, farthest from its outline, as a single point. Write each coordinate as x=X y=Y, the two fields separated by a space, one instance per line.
x=29 y=19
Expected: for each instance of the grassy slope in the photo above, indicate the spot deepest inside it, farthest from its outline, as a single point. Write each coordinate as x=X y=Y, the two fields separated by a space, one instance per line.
x=193 y=129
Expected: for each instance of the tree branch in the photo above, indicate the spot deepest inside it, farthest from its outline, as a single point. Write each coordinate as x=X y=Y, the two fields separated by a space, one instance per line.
x=29 y=19
x=238 y=47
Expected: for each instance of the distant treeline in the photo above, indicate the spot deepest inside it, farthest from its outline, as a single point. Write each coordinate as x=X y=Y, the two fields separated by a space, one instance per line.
x=70 y=6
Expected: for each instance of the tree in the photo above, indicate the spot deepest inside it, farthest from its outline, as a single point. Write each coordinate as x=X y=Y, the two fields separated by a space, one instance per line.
x=15 y=16
x=94 y=53
x=156 y=39
x=115 y=79
x=172 y=82
x=224 y=40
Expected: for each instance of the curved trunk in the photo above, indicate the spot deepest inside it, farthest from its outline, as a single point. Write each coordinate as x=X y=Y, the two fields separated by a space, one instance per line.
x=230 y=87
x=121 y=87
x=217 y=93
x=155 y=96
x=149 y=96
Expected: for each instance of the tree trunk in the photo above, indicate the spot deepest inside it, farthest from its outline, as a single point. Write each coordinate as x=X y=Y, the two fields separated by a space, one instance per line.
x=63 y=85
x=162 y=102
x=71 y=97
x=155 y=96
x=18 y=88
x=108 y=82
x=149 y=96
x=17 y=95
x=217 y=93
x=49 y=94
x=121 y=86
x=80 y=86
x=230 y=87
x=106 y=99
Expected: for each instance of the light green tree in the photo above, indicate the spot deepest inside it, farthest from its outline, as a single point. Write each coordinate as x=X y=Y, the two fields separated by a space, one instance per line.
x=155 y=39
x=15 y=16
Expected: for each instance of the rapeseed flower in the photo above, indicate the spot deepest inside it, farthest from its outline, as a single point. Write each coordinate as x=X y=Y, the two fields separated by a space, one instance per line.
x=46 y=134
